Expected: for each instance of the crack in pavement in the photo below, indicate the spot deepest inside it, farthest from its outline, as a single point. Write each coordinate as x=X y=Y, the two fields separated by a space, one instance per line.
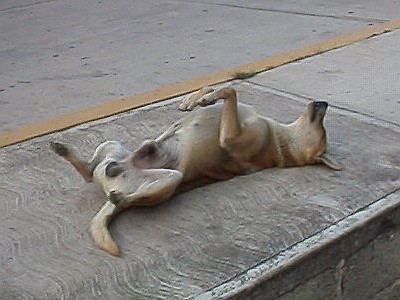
x=299 y=13
x=25 y=5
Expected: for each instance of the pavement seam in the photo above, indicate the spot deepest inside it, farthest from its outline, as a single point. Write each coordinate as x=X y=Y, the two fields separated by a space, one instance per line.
x=114 y=107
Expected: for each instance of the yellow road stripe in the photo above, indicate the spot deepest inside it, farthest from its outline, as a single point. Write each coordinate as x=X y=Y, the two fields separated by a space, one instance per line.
x=170 y=91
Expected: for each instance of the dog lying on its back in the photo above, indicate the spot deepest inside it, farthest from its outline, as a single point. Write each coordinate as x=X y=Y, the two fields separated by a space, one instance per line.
x=215 y=143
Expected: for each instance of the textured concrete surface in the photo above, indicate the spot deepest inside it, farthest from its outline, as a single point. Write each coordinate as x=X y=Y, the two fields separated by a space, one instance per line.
x=61 y=56
x=197 y=240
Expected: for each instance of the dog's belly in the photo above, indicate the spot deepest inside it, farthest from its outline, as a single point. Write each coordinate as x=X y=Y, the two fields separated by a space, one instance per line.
x=202 y=157
x=196 y=139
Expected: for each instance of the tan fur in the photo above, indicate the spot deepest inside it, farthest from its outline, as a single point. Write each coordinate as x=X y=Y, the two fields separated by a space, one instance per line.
x=214 y=143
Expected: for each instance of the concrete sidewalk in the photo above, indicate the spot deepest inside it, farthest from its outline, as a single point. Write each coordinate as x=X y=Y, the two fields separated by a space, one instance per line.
x=299 y=233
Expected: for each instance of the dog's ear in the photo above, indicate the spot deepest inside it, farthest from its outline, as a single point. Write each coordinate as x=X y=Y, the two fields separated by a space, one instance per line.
x=329 y=162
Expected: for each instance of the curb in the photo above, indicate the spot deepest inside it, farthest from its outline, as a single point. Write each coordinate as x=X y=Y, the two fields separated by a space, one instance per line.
x=328 y=248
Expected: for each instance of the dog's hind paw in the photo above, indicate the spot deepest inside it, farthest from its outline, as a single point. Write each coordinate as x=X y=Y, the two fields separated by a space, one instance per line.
x=59 y=148
x=116 y=197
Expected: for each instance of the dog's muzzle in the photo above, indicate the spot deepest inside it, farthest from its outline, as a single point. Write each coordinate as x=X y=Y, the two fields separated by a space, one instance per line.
x=318 y=108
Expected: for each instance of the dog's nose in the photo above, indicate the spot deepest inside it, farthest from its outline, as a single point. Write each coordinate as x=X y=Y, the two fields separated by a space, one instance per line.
x=320 y=104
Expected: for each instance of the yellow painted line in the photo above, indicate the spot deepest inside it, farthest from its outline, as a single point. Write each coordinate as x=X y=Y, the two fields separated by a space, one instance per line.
x=174 y=90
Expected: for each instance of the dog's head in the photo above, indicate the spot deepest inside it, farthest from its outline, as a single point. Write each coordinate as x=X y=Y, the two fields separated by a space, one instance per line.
x=310 y=128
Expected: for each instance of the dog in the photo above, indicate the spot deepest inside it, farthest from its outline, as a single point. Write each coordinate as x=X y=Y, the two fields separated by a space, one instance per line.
x=216 y=142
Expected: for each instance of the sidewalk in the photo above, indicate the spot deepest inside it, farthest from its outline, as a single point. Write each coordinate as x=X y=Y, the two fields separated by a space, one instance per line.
x=59 y=57
x=299 y=233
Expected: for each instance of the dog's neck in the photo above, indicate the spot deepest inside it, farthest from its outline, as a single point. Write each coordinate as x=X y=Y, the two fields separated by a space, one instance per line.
x=290 y=145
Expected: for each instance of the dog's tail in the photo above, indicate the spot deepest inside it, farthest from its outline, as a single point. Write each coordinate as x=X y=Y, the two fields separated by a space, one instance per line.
x=99 y=229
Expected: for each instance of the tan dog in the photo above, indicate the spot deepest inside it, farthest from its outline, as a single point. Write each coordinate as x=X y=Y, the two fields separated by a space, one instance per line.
x=215 y=143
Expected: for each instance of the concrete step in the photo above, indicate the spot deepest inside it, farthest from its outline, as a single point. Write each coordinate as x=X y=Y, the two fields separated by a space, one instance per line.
x=214 y=241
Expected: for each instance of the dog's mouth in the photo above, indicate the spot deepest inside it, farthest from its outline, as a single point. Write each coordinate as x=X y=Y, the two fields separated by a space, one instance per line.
x=317 y=110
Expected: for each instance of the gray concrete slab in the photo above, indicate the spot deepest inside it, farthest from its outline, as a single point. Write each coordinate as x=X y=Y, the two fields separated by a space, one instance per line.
x=362 y=77
x=195 y=241
x=61 y=56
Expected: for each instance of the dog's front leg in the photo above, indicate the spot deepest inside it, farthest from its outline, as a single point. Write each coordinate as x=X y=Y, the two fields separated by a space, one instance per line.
x=241 y=141
x=230 y=127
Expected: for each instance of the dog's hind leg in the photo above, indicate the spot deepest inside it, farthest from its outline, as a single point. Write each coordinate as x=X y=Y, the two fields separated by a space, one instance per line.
x=158 y=185
x=99 y=228
x=80 y=165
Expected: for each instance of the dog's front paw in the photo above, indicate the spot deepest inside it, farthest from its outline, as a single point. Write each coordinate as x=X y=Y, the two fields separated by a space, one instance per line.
x=116 y=197
x=195 y=99
x=59 y=148
x=187 y=104
x=206 y=100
